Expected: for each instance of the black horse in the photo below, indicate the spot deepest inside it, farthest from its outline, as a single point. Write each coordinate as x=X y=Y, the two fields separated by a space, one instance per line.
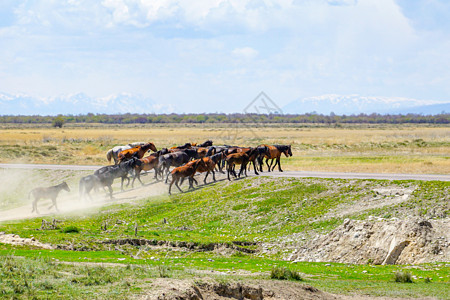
x=87 y=184
x=106 y=175
x=208 y=143
x=175 y=159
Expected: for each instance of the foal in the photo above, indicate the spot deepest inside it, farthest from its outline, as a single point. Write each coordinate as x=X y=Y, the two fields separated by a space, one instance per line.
x=47 y=193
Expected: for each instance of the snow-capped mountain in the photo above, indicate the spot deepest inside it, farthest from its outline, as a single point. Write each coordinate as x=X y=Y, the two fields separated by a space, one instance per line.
x=355 y=104
x=80 y=103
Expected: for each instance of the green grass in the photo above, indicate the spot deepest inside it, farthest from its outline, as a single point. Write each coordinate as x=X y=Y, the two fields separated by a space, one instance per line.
x=251 y=210
x=41 y=268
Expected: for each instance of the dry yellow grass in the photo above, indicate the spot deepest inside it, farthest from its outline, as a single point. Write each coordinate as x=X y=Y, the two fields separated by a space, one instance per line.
x=399 y=149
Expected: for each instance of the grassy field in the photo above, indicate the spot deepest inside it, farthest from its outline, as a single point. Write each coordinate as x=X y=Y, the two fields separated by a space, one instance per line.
x=355 y=148
x=228 y=231
x=193 y=234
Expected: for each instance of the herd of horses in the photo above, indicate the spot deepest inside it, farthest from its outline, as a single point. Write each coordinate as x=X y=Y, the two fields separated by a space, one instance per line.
x=186 y=160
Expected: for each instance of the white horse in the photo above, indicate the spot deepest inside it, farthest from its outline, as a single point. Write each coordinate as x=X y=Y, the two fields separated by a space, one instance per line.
x=114 y=152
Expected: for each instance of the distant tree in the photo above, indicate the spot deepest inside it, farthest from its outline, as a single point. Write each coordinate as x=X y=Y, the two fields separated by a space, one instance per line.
x=58 y=122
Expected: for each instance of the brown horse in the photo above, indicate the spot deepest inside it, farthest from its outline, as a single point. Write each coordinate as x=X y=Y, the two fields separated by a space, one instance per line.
x=183 y=172
x=274 y=153
x=148 y=163
x=236 y=159
x=137 y=151
x=208 y=166
x=202 y=151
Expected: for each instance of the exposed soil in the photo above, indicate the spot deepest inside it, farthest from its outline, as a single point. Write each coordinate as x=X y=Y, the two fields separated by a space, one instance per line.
x=208 y=289
x=382 y=196
x=14 y=239
x=380 y=241
x=164 y=289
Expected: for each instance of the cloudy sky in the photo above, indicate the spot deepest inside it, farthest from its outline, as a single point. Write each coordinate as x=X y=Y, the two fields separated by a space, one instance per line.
x=217 y=55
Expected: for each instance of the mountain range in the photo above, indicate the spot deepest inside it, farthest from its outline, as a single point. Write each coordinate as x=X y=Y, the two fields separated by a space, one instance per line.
x=80 y=103
x=356 y=104
x=75 y=104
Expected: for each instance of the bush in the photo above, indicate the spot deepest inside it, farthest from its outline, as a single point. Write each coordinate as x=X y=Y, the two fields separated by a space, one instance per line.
x=70 y=229
x=282 y=273
x=58 y=122
x=163 y=271
x=404 y=277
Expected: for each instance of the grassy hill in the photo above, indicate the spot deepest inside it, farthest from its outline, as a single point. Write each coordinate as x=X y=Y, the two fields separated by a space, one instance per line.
x=247 y=226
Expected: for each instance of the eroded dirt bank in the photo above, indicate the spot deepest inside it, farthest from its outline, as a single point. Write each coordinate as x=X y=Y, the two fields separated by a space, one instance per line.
x=172 y=289
x=380 y=241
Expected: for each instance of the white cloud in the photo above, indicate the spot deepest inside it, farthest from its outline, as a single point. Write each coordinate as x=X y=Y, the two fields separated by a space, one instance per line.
x=170 y=50
x=246 y=52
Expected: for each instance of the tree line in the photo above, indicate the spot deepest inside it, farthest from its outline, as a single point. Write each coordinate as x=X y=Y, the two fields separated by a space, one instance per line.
x=212 y=118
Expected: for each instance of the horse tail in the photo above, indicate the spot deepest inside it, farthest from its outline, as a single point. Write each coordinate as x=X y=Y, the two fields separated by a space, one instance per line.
x=109 y=155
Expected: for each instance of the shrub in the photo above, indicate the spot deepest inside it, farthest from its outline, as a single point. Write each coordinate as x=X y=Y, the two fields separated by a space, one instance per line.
x=282 y=273
x=70 y=229
x=404 y=277
x=58 y=122
x=163 y=271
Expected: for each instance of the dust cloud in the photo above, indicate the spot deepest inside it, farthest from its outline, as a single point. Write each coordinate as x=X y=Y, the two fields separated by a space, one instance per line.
x=17 y=183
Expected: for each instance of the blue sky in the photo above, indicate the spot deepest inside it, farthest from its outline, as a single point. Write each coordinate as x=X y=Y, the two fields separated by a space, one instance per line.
x=217 y=55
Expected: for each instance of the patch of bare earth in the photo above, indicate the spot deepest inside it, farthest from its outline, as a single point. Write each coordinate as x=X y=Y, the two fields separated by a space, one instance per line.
x=380 y=241
x=14 y=239
x=382 y=196
x=171 y=289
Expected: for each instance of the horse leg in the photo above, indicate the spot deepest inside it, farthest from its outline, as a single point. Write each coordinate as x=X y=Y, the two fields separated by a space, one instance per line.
x=271 y=162
x=54 y=204
x=260 y=162
x=279 y=164
x=110 y=191
x=254 y=167
x=193 y=180
x=207 y=173
x=267 y=163
x=167 y=177
x=134 y=178
x=170 y=186
x=214 y=175
x=176 y=184
x=121 y=184
x=34 y=206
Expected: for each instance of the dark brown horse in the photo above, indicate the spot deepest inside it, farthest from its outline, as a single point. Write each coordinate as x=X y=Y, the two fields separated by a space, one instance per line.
x=47 y=193
x=148 y=163
x=185 y=146
x=274 y=153
x=236 y=159
x=208 y=143
x=137 y=151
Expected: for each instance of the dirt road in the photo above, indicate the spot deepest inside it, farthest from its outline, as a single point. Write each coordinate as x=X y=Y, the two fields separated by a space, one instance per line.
x=70 y=202
x=297 y=174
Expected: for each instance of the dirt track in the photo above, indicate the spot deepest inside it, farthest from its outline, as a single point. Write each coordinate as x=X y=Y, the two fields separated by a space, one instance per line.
x=297 y=174
x=70 y=202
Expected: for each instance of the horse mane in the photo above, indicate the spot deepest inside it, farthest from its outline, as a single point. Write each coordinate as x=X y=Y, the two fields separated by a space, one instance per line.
x=281 y=147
